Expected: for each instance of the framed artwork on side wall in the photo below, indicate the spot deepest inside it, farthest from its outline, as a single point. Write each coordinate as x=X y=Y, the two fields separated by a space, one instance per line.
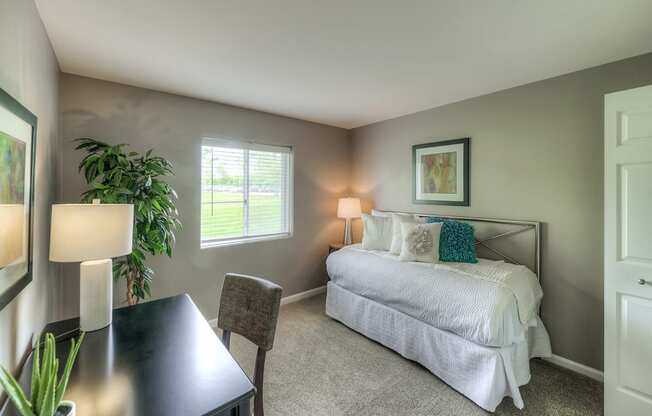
x=440 y=172
x=17 y=153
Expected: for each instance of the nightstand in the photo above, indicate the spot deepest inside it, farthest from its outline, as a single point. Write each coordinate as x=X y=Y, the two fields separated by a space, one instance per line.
x=334 y=247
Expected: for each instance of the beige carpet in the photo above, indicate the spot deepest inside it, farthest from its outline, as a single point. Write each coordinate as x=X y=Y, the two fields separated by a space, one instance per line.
x=320 y=367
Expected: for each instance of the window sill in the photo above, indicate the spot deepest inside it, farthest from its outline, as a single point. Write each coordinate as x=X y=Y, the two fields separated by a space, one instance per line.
x=246 y=240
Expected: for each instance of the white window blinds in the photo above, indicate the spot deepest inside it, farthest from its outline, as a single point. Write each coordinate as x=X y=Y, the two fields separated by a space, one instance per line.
x=246 y=191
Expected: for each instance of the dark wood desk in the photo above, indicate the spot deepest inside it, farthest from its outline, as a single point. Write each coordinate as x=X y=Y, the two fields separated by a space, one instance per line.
x=159 y=358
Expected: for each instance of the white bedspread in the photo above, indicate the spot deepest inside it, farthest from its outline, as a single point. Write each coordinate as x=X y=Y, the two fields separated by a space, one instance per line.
x=490 y=303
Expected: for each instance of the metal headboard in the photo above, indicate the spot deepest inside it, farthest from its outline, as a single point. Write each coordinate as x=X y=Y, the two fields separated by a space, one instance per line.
x=510 y=229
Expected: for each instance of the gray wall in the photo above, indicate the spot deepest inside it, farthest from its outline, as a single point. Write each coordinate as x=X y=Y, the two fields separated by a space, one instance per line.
x=536 y=153
x=173 y=126
x=29 y=72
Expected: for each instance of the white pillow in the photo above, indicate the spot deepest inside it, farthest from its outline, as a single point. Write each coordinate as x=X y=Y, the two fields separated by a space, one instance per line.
x=420 y=242
x=376 y=232
x=397 y=236
x=384 y=214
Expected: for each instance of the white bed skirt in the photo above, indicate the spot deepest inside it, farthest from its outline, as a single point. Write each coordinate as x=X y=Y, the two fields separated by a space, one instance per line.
x=483 y=374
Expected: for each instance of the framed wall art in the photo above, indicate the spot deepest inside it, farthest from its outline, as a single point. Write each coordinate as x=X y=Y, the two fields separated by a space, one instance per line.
x=17 y=154
x=440 y=172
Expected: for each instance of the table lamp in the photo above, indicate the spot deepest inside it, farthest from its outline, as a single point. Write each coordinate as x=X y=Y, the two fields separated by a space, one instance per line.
x=12 y=235
x=348 y=208
x=92 y=234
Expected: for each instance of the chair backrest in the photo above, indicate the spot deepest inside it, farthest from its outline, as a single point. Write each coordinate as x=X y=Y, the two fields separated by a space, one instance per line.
x=249 y=306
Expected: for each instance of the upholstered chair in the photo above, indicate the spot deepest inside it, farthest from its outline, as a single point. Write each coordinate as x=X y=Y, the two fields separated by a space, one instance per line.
x=249 y=306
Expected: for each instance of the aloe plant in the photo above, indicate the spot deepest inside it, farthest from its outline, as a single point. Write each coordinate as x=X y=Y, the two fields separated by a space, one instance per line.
x=47 y=387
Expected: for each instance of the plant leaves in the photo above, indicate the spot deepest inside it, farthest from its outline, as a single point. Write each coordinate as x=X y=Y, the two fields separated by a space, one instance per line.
x=36 y=370
x=15 y=393
x=47 y=407
x=72 y=356
x=116 y=176
x=46 y=370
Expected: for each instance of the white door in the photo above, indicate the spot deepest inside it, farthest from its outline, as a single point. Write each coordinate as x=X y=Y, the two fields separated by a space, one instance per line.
x=628 y=253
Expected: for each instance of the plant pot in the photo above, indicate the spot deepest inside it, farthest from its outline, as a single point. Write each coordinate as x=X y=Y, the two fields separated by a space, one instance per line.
x=66 y=408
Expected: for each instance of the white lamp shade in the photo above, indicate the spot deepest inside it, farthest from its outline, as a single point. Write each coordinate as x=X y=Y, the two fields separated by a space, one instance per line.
x=349 y=208
x=82 y=232
x=12 y=233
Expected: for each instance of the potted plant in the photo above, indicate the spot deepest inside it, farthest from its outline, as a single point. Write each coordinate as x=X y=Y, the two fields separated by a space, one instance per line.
x=47 y=386
x=118 y=177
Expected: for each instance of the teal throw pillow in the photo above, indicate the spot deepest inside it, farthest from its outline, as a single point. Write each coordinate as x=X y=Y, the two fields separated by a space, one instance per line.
x=456 y=241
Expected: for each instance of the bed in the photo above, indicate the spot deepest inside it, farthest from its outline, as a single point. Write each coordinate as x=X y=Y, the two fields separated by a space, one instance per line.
x=475 y=326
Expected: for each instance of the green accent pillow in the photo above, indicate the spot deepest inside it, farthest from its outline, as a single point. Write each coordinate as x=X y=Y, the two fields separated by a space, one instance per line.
x=456 y=241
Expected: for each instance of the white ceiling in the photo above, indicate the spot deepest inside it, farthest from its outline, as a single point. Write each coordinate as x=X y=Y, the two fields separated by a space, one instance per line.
x=345 y=63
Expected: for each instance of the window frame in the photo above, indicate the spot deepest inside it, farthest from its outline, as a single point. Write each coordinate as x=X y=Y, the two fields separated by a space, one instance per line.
x=289 y=194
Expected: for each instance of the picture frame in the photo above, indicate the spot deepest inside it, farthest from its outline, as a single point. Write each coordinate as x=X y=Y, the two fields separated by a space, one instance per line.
x=17 y=164
x=441 y=172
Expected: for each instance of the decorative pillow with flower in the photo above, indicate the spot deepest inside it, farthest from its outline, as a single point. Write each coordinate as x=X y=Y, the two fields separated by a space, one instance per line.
x=420 y=242
x=457 y=240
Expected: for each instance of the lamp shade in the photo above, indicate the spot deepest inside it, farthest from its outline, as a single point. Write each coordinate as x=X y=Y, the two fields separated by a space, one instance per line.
x=81 y=232
x=349 y=208
x=12 y=235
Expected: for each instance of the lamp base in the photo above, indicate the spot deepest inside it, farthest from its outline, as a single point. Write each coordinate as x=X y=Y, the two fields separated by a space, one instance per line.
x=96 y=294
x=347 y=232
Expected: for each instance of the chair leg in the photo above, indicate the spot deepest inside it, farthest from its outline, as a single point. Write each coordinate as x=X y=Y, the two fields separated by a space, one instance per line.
x=258 y=382
x=226 y=338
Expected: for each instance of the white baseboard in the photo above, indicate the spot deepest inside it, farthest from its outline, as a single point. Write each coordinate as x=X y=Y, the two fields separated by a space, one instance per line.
x=585 y=370
x=288 y=299
x=303 y=295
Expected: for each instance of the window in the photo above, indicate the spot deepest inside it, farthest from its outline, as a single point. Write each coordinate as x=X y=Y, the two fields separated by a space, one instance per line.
x=246 y=192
